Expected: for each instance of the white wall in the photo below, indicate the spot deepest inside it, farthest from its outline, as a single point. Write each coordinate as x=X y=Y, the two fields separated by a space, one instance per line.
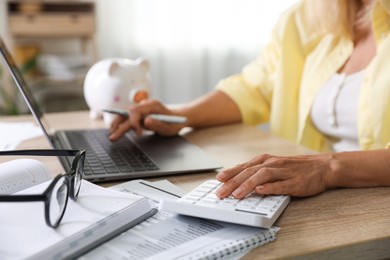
x=191 y=43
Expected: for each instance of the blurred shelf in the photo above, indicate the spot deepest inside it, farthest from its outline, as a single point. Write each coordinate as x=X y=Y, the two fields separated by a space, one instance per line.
x=34 y=23
x=51 y=18
x=59 y=96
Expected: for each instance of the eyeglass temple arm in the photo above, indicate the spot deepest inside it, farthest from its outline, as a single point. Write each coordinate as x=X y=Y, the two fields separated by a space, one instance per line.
x=21 y=198
x=42 y=152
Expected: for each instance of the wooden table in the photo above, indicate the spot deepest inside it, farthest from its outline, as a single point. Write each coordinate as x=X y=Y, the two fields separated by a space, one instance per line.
x=338 y=224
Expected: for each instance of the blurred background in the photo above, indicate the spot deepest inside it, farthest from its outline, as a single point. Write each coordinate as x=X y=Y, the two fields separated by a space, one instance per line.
x=190 y=44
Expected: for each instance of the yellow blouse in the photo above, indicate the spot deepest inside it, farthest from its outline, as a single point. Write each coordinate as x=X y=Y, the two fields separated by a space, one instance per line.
x=280 y=86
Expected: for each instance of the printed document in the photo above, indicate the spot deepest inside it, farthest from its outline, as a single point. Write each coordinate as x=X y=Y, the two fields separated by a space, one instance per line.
x=170 y=236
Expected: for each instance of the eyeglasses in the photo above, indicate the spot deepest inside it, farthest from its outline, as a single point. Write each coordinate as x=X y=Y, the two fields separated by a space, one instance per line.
x=60 y=189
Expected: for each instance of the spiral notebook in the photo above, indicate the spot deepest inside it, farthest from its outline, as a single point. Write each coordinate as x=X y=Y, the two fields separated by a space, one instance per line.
x=170 y=236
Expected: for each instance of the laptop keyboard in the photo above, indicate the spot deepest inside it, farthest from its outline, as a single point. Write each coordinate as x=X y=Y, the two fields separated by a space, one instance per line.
x=106 y=157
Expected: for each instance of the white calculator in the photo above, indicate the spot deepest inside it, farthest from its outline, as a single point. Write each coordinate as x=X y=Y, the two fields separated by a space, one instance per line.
x=254 y=210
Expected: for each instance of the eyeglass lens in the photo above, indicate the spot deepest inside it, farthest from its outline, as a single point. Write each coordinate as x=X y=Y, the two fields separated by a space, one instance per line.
x=58 y=201
x=79 y=173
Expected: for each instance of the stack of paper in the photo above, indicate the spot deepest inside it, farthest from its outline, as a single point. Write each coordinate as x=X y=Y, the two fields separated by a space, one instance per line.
x=12 y=134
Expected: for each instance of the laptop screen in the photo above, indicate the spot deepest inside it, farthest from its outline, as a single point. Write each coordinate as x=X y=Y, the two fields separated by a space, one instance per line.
x=23 y=88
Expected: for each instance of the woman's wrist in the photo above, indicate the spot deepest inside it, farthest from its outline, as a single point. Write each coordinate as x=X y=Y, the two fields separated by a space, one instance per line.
x=357 y=169
x=334 y=171
x=182 y=111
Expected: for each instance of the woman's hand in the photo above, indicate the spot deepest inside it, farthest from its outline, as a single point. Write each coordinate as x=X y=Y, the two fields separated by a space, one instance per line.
x=138 y=120
x=266 y=174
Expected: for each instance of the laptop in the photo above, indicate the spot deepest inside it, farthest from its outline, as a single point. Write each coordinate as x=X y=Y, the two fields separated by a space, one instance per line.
x=128 y=158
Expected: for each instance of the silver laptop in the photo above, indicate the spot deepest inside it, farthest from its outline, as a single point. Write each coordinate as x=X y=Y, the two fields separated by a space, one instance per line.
x=128 y=158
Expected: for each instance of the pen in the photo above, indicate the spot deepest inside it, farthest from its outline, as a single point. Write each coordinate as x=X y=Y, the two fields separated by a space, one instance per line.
x=162 y=118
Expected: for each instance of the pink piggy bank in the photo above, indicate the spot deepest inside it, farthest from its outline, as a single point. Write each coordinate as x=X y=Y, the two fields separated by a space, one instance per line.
x=116 y=83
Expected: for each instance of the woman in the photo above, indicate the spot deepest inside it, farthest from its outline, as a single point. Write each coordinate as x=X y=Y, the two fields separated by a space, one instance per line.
x=321 y=83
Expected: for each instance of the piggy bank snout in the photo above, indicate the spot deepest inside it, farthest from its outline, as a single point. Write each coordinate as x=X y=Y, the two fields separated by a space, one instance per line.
x=136 y=95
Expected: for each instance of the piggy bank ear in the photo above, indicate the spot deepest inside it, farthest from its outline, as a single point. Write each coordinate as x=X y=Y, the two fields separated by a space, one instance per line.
x=114 y=67
x=143 y=64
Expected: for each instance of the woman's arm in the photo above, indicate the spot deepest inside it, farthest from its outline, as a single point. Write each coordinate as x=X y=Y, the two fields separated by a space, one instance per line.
x=215 y=108
x=360 y=169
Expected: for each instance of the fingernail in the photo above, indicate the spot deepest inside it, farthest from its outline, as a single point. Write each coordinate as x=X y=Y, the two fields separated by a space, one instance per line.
x=220 y=191
x=237 y=192
x=220 y=175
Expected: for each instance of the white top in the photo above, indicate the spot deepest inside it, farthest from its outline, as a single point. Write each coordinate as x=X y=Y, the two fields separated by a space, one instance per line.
x=334 y=111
